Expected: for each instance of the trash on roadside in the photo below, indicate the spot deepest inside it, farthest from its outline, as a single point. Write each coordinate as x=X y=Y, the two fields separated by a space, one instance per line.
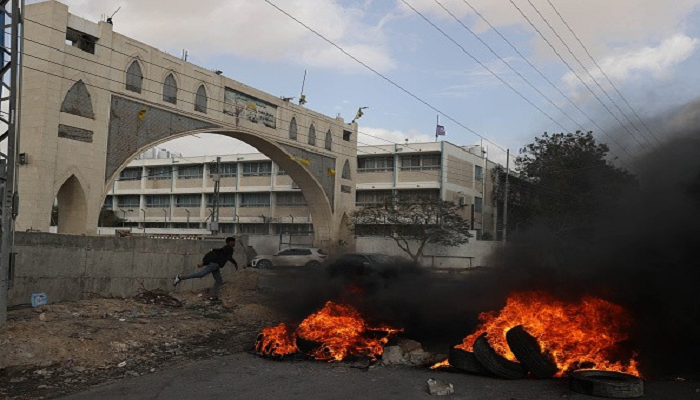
x=122 y=364
x=439 y=388
x=38 y=299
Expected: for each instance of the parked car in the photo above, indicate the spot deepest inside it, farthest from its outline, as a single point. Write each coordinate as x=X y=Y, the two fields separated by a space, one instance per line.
x=295 y=257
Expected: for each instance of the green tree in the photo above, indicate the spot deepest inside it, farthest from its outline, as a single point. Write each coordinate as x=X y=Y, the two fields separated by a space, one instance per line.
x=572 y=181
x=413 y=222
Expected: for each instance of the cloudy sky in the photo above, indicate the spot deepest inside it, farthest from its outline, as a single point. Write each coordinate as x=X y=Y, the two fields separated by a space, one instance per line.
x=504 y=70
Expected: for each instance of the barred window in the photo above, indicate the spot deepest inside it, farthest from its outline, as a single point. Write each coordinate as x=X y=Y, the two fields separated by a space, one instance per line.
x=290 y=199
x=293 y=129
x=129 y=201
x=158 y=201
x=130 y=174
x=478 y=204
x=329 y=140
x=188 y=200
x=170 y=89
x=227 y=170
x=159 y=173
x=312 y=135
x=134 y=77
x=109 y=202
x=225 y=200
x=364 y=198
x=374 y=164
x=255 y=199
x=478 y=173
x=189 y=171
x=254 y=229
x=420 y=162
x=257 y=169
x=200 y=100
x=433 y=194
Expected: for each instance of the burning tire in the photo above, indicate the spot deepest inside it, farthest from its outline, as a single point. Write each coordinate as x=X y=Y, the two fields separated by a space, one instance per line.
x=466 y=361
x=610 y=384
x=308 y=346
x=495 y=363
x=527 y=350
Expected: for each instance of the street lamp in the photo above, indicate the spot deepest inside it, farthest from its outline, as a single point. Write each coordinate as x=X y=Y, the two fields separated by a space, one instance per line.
x=165 y=218
x=188 y=218
x=124 y=215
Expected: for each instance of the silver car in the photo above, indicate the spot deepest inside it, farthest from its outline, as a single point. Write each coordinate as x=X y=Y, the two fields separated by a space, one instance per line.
x=294 y=257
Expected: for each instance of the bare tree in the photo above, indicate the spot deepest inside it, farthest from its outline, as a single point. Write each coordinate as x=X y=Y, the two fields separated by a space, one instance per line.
x=413 y=222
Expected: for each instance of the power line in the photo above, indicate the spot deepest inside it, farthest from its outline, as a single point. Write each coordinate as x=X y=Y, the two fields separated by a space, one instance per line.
x=603 y=72
x=486 y=67
x=586 y=70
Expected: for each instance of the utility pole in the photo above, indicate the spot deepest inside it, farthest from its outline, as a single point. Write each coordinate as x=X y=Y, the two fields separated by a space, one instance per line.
x=215 y=211
x=505 y=199
x=9 y=97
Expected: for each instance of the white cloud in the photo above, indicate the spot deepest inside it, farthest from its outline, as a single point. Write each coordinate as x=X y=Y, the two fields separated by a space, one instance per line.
x=249 y=29
x=659 y=61
x=380 y=136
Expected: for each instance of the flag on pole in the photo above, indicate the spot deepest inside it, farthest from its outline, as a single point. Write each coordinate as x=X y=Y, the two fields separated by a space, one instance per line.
x=440 y=130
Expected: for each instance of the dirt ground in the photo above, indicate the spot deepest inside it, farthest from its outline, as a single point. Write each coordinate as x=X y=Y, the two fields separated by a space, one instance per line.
x=63 y=348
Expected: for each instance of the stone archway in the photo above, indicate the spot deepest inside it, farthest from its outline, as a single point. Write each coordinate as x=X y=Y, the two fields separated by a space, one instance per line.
x=72 y=207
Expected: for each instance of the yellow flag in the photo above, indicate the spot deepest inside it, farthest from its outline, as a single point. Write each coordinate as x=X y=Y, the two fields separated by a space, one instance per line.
x=331 y=172
x=142 y=114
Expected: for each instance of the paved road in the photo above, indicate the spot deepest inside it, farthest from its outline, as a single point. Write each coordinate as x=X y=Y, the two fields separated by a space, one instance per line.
x=246 y=376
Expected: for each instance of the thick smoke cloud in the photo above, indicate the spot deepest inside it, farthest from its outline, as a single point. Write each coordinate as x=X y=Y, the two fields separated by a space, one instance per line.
x=645 y=257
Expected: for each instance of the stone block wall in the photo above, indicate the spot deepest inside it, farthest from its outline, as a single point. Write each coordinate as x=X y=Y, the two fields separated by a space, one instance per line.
x=70 y=267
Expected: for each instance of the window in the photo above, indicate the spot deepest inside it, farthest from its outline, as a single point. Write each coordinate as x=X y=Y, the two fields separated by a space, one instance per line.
x=280 y=171
x=158 y=201
x=129 y=201
x=290 y=199
x=170 y=89
x=188 y=200
x=225 y=200
x=257 y=169
x=109 y=201
x=293 y=129
x=478 y=204
x=227 y=169
x=254 y=229
x=329 y=140
x=347 y=135
x=81 y=40
x=371 y=164
x=200 y=100
x=78 y=101
x=130 y=174
x=346 y=170
x=312 y=135
x=432 y=194
x=134 y=77
x=296 y=229
x=372 y=197
x=478 y=173
x=159 y=173
x=189 y=171
x=420 y=162
x=255 y=199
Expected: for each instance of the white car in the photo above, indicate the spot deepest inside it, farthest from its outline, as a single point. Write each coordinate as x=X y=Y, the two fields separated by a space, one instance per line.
x=295 y=257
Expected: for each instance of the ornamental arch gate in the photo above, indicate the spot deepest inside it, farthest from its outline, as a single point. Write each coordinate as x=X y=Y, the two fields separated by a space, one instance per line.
x=93 y=100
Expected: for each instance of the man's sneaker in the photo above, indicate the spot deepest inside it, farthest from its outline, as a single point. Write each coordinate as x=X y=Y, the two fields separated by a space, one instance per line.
x=176 y=280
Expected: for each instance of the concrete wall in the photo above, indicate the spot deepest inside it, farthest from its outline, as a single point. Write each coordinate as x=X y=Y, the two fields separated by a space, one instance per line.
x=472 y=254
x=68 y=267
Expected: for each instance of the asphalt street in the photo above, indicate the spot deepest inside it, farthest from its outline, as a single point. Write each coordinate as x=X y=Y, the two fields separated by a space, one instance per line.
x=247 y=376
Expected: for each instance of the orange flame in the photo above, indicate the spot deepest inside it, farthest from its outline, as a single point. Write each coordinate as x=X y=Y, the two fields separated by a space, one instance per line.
x=339 y=330
x=442 y=364
x=578 y=335
x=276 y=341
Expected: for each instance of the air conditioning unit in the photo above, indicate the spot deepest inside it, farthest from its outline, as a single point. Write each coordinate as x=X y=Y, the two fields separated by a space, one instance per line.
x=462 y=201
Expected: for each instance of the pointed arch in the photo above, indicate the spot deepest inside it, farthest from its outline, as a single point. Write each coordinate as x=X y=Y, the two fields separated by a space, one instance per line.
x=170 y=89
x=346 y=170
x=312 y=135
x=329 y=140
x=293 y=129
x=78 y=101
x=72 y=206
x=200 y=100
x=134 y=77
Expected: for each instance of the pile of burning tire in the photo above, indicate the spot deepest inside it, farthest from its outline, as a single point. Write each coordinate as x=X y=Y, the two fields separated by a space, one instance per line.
x=484 y=360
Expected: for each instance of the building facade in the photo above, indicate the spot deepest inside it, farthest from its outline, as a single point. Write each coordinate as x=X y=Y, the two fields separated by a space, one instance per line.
x=257 y=197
